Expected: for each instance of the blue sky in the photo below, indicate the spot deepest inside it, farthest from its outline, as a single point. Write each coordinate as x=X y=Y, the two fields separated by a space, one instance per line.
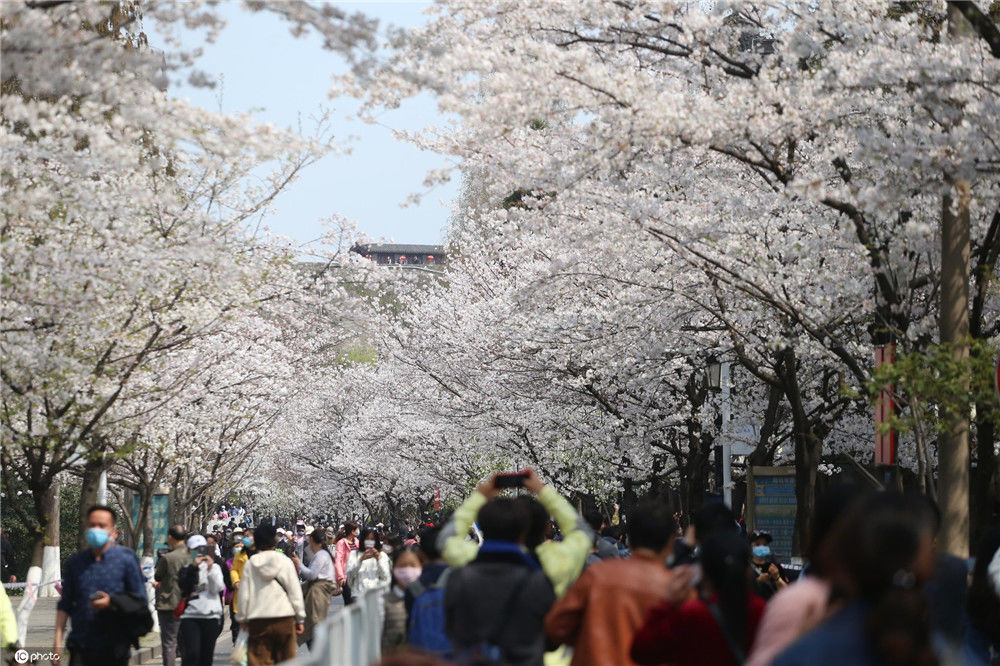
x=285 y=79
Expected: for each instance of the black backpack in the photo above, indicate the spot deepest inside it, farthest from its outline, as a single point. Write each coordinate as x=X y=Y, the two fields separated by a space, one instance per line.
x=187 y=579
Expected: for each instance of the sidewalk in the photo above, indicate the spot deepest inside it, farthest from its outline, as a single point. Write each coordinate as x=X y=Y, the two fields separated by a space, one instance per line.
x=41 y=633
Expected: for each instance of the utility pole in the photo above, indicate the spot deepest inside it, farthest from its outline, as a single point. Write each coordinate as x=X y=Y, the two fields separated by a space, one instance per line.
x=727 y=442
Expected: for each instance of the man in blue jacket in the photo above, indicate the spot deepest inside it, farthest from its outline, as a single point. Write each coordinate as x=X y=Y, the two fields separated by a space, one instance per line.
x=91 y=577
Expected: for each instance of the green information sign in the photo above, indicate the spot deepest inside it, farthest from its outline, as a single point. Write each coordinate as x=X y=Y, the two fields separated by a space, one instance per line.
x=159 y=513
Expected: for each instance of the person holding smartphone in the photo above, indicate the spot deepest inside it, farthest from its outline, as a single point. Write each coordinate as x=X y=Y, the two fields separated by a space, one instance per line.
x=562 y=561
x=201 y=621
x=368 y=568
x=91 y=577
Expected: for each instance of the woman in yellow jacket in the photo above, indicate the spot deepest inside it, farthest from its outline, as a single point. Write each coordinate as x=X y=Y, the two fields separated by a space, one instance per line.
x=241 y=553
x=8 y=623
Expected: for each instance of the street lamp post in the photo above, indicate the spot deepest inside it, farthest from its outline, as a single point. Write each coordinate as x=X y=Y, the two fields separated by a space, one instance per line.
x=717 y=378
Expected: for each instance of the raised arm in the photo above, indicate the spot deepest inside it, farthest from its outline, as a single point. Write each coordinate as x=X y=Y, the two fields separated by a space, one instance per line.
x=455 y=548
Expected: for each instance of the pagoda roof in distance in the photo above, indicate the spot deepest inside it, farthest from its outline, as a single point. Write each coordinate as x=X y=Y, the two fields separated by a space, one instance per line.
x=402 y=248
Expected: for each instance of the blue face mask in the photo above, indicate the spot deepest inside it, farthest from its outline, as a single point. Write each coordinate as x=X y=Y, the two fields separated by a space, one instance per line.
x=762 y=552
x=96 y=537
x=247 y=541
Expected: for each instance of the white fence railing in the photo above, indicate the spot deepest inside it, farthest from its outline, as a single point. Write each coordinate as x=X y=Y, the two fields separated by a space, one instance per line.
x=351 y=636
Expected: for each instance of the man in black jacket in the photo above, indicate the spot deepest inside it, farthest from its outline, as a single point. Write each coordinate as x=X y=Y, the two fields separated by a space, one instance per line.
x=495 y=606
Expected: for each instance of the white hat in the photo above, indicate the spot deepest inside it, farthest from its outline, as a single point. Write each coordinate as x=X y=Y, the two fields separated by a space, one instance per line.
x=280 y=530
x=196 y=541
x=237 y=529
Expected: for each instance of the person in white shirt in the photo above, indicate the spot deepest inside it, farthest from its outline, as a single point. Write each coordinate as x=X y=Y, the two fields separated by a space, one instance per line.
x=368 y=568
x=201 y=621
x=320 y=585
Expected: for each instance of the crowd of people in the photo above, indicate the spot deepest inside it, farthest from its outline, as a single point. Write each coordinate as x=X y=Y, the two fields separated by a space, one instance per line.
x=526 y=578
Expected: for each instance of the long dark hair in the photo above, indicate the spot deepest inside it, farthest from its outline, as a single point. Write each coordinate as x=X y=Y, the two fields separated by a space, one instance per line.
x=374 y=533
x=878 y=544
x=345 y=531
x=983 y=603
x=725 y=562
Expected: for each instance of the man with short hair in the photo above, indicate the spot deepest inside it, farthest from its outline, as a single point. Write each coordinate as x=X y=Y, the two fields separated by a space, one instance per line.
x=608 y=603
x=494 y=606
x=90 y=579
x=769 y=575
x=168 y=592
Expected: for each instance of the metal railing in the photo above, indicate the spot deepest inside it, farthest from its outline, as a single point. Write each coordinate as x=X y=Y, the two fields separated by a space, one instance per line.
x=351 y=636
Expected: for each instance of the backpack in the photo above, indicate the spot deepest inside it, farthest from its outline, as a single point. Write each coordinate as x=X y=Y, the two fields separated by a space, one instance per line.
x=488 y=650
x=187 y=579
x=427 y=616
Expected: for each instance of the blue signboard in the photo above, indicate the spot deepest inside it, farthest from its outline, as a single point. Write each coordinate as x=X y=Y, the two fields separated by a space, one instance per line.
x=773 y=505
x=159 y=515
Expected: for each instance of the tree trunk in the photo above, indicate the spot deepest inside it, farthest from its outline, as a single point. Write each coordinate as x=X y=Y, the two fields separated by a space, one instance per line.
x=695 y=479
x=88 y=494
x=808 y=448
x=49 y=550
x=148 y=547
x=953 y=447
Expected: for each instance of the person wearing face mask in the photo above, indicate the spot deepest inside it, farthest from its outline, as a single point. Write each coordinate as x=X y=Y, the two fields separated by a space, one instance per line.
x=769 y=577
x=90 y=579
x=243 y=548
x=201 y=620
x=368 y=567
x=168 y=592
x=406 y=569
x=213 y=543
x=346 y=542
x=320 y=586
x=393 y=542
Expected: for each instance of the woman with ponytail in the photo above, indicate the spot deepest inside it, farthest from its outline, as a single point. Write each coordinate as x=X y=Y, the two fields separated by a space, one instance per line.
x=716 y=627
x=882 y=554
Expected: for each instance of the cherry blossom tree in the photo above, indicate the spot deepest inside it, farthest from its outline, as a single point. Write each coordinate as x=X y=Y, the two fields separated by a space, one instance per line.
x=793 y=163
x=127 y=234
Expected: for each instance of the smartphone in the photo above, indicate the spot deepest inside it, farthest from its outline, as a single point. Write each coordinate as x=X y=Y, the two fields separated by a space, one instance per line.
x=510 y=480
x=95 y=596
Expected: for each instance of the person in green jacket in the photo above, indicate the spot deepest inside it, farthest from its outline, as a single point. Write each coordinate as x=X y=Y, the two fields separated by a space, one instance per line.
x=562 y=561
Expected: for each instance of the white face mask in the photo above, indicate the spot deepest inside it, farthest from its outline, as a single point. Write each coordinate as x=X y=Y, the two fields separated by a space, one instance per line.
x=369 y=543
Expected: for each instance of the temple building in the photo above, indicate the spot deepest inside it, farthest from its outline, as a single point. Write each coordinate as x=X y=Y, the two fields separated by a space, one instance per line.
x=403 y=255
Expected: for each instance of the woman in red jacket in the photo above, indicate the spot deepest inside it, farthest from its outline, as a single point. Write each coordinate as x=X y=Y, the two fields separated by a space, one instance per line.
x=716 y=627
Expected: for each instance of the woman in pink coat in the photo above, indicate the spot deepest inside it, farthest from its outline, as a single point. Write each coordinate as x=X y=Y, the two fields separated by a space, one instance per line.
x=346 y=541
